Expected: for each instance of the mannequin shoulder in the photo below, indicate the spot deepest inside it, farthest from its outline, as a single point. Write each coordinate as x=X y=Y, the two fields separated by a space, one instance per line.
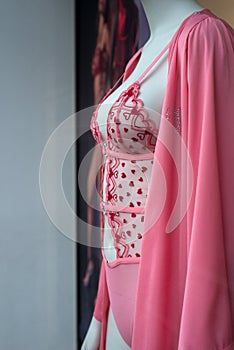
x=211 y=31
x=210 y=49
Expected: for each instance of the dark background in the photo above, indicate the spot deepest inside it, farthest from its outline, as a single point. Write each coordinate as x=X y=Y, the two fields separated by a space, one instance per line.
x=86 y=32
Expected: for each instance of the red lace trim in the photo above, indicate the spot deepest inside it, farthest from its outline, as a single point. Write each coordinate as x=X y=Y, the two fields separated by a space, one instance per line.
x=121 y=209
x=128 y=112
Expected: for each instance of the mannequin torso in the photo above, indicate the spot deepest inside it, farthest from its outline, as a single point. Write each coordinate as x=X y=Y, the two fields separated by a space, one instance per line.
x=164 y=17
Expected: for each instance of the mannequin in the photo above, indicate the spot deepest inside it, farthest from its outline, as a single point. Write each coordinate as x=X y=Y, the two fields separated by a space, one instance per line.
x=164 y=18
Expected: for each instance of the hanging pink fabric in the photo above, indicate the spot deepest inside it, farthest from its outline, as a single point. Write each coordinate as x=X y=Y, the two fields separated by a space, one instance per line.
x=185 y=290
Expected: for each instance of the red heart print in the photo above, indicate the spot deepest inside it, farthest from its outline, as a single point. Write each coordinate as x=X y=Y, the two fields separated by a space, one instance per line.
x=141 y=135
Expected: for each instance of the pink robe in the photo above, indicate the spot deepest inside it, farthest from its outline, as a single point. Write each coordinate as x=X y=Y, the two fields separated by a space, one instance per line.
x=185 y=292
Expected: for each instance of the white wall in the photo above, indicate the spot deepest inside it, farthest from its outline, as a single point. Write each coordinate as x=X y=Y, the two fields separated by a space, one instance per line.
x=37 y=262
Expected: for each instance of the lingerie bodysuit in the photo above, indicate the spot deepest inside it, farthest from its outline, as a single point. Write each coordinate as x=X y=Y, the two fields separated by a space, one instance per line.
x=127 y=134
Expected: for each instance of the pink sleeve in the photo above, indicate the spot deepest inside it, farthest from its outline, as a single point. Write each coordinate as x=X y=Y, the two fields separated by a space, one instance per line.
x=102 y=306
x=102 y=295
x=208 y=308
x=186 y=283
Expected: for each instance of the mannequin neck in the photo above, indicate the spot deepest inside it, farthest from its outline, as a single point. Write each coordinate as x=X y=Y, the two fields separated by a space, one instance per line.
x=163 y=15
